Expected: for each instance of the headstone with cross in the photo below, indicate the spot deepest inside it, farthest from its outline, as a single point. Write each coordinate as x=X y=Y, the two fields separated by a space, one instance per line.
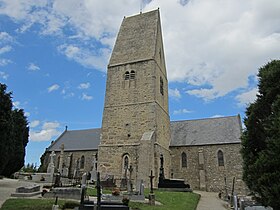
x=93 y=172
x=130 y=185
x=50 y=168
x=152 y=199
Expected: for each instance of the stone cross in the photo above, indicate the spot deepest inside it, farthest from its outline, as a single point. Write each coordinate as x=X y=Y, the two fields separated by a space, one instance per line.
x=50 y=168
x=94 y=163
x=130 y=173
x=52 y=156
x=77 y=169
x=151 y=182
x=61 y=160
x=94 y=170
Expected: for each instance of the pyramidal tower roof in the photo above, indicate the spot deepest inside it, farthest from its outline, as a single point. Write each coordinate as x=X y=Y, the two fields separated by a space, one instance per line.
x=137 y=38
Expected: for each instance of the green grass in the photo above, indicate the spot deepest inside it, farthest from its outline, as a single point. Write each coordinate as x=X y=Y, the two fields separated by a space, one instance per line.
x=34 y=204
x=169 y=201
x=93 y=191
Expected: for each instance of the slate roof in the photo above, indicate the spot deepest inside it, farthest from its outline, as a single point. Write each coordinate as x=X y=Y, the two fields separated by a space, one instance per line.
x=222 y=130
x=136 y=39
x=77 y=140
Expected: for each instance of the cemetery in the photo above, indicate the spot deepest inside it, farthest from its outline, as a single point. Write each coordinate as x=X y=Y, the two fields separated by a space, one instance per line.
x=89 y=195
x=139 y=159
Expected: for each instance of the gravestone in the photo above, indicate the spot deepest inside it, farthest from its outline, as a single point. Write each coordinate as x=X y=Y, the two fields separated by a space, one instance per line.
x=77 y=170
x=139 y=193
x=64 y=171
x=171 y=184
x=64 y=192
x=50 y=168
x=109 y=182
x=57 y=181
x=130 y=185
x=84 y=180
x=27 y=191
x=124 y=179
x=93 y=172
x=61 y=159
x=152 y=199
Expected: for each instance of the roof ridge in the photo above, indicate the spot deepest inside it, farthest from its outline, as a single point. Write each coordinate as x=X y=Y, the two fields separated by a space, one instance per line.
x=142 y=13
x=87 y=129
x=207 y=118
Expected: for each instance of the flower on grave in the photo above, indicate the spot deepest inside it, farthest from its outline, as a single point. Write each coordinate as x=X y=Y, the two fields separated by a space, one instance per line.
x=116 y=191
x=125 y=201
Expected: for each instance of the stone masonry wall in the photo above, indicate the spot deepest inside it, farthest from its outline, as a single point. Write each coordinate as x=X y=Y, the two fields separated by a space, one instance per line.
x=89 y=157
x=214 y=174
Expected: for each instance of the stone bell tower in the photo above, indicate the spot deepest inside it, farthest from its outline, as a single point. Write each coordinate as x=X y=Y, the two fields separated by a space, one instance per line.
x=136 y=124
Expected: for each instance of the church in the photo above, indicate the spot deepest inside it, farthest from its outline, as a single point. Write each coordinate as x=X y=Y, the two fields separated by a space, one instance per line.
x=136 y=128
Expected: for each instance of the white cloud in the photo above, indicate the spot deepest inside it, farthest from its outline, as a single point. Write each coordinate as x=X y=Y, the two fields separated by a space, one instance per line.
x=220 y=43
x=90 y=59
x=217 y=44
x=247 y=97
x=174 y=93
x=3 y=75
x=217 y=116
x=33 y=67
x=5 y=49
x=34 y=123
x=27 y=114
x=84 y=85
x=67 y=94
x=4 y=61
x=5 y=37
x=50 y=125
x=46 y=133
x=206 y=94
x=181 y=111
x=53 y=88
x=86 y=26
x=86 y=97
x=5 y=41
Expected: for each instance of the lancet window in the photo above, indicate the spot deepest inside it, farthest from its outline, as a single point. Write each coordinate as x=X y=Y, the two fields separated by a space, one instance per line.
x=221 y=161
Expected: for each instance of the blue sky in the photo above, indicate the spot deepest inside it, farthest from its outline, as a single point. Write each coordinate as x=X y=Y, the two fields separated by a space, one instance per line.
x=54 y=53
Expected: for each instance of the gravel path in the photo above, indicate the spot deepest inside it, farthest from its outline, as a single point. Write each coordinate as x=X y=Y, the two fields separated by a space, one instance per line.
x=210 y=201
x=8 y=186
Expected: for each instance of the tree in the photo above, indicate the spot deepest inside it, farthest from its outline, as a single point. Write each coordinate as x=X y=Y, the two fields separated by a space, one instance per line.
x=14 y=134
x=261 y=138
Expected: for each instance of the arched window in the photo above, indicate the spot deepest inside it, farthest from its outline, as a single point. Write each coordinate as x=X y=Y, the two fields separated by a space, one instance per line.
x=132 y=74
x=125 y=162
x=82 y=163
x=126 y=75
x=184 y=160
x=221 y=158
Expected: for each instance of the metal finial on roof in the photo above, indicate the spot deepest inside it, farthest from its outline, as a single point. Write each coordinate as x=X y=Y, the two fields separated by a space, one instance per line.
x=66 y=127
x=141 y=6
